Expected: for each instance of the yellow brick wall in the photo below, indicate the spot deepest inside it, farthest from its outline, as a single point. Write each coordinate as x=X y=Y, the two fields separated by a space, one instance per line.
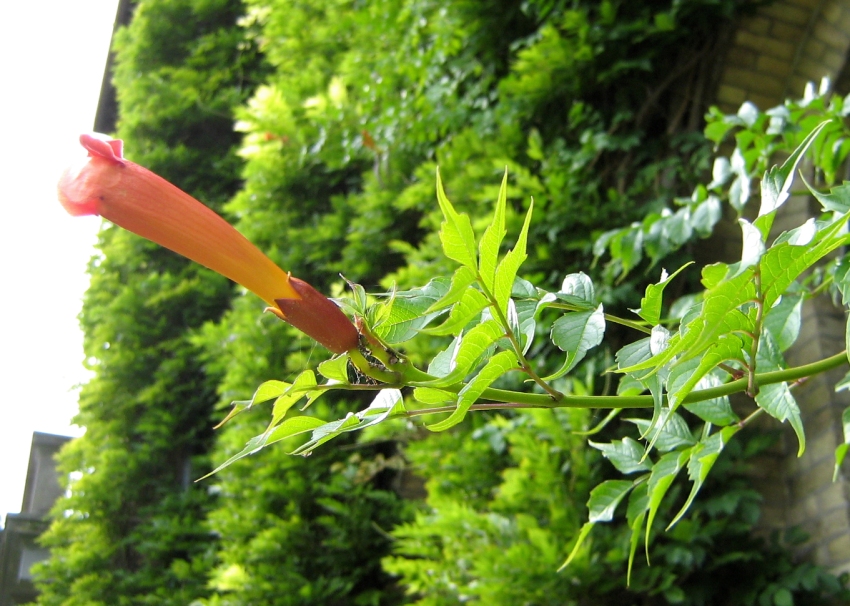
x=773 y=55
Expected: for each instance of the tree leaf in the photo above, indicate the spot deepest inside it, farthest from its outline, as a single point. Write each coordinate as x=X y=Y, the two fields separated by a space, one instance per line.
x=670 y=432
x=783 y=320
x=580 y=287
x=498 y=365
x=335 y=369
x=299 y=388
x=461 y=280
x=627 y=455
x=635 y=516
x=488 y=248
x=582 y=535
x=575 y=333
x=463 y=312
x=702 y=458
x=456 y=232
x=662 y=476
x=650 y=304
x=605 y=498
x=472 y=345
x=776 y=399
x=841 y=450
x=509 y=266
x=776 y=183
x=783 y=263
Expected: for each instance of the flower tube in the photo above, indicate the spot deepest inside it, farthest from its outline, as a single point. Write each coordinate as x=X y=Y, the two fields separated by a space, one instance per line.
x=136 y=199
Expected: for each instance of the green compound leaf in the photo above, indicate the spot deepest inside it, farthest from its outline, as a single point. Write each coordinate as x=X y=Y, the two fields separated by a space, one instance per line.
x=578 y=289
x=432 y=396
x=662 y=476
x=717 y=411
x=841 y=451
x=582 y=535
x=265 y=392
x=468 y=352
x=409 y=311
x=461 y=280
x=718 y=315
x=290 y=427
x=627 y=455
x=456 y=231
x=776 y=399
x=778 y=402
x=385 y=403
x=650 y=304
x=703 y=456
x=783 y=320
x=635 y=516
x=464 y=311
x=784 y=263
x=335 y=369
x=728 y=347
x=601 y=505
x=488 y=248
x=502 y=362
x=575 y=333
x=670 y=432
x=299 y=388
x=837 y=200
x=509 y=266
x=776 y=183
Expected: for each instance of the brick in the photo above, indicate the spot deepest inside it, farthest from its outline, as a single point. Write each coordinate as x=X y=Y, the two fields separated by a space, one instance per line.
x=787 y=13
x=753 y=81
x=781 y=49
x=832 y=497
x=840 y=569
x=763 y=102
x=773 y=518
x=831 y=35
x=833 y=60
x=839 y=549
x=831 y=12
x=821 y=446
x=741 y=57
x=821 y=422
x=730 y=96
x=818 y=476
x=813 y=70
x=757 y=24
x=771 y=65
x=787 y=31
x=833 y=523
x=813 y=49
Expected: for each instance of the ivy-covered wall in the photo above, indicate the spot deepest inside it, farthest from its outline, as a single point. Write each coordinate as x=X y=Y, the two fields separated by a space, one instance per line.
x=316 y=127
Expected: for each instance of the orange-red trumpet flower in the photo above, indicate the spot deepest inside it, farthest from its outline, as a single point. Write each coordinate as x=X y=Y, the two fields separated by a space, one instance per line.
x=140 y=201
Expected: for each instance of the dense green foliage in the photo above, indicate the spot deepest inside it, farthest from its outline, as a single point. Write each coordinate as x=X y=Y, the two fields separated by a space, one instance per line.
x=133 y=529
x=493 y=527
x=344 y=109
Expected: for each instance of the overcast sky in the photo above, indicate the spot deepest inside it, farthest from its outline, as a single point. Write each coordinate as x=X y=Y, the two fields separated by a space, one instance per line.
x=52 y=55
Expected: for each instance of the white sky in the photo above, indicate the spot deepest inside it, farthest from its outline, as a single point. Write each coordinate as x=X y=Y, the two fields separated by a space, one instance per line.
x=52 y=56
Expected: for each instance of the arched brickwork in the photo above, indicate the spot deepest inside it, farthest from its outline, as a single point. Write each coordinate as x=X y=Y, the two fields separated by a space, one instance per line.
x=773 y=55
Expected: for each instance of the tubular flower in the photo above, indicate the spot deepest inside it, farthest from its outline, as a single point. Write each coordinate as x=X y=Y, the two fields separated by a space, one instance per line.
x=136 y=199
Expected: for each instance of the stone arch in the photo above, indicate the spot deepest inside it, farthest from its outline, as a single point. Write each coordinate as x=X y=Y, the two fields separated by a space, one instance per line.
x=786 y=44
x=773 y=54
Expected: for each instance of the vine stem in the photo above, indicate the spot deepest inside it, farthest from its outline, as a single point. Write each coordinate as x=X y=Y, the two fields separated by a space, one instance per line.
x=525 y=365
x=752 y=383
x=504 y=400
